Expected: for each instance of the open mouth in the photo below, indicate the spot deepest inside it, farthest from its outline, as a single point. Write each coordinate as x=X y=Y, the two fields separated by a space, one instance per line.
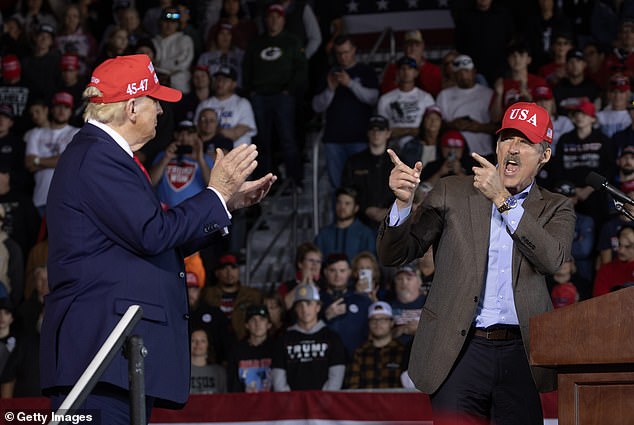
x=511 y=167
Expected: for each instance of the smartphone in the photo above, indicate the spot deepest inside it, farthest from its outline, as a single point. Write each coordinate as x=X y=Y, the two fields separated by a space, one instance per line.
x=366 y=274
x=184 y=149
x=335 y=69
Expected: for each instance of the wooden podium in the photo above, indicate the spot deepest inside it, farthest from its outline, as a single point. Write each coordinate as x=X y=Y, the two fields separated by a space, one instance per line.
x=591 y=345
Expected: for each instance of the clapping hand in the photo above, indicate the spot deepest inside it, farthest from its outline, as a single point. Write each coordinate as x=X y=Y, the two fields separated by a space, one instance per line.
x=404 y=180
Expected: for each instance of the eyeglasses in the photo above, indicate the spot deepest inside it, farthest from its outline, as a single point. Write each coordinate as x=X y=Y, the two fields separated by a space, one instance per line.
x=172 y=16
x=461 y=62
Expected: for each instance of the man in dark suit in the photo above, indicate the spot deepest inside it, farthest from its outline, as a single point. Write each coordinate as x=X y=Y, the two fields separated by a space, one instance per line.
x=111 y=244
x=495 y=236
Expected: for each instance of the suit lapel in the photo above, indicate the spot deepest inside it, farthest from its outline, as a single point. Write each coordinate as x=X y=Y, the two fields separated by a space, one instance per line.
x=480 y=212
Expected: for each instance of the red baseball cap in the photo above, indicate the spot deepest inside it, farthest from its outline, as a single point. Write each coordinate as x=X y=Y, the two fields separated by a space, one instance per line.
x=63 y=98
x=129 y=77
x=530 y=119
x=69 y=62
x=11 y=68
x=586 y=107
x=564 y=294
x=277 y=8
x=452 y=139
x=619 y=83
x=542 y=93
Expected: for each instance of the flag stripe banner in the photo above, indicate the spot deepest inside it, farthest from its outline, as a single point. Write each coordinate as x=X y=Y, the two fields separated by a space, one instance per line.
x=371 y=16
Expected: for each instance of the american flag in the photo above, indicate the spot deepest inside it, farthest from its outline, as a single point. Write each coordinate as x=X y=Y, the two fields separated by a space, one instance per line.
x=371 y=16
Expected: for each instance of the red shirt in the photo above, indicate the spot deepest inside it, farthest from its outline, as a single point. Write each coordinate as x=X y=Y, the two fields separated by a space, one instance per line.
x=512 y=88
x=615 y=273
x=429 y=78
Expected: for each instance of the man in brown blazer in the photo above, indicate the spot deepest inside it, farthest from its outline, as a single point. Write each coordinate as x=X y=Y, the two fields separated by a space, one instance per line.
x=495 y=236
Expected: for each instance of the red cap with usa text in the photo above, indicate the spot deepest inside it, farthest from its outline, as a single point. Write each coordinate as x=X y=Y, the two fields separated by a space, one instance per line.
x=129 y=77
x=530 y=119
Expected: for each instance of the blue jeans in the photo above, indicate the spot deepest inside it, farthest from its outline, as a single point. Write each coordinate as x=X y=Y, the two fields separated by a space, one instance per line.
x=276 y=111
x=336 y=156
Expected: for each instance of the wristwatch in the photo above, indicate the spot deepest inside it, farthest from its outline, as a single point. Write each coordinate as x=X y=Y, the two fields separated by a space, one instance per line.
x=509 y=203
x=36 y=161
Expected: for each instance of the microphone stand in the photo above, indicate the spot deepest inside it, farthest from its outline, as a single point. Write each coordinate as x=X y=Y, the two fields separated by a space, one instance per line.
x=620 y=208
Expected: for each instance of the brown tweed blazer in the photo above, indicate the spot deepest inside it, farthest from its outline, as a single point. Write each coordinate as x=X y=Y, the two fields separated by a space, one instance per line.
x=455 y=218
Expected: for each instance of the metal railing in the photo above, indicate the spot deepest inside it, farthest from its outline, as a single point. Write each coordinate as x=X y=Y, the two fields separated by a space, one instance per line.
x=111 y=347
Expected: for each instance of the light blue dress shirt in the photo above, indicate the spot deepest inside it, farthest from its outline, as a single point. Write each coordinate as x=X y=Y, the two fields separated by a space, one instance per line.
x=497 y=305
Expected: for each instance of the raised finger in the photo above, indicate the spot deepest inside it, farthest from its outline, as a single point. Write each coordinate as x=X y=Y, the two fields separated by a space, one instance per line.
x=395 y=159
x=482 y=160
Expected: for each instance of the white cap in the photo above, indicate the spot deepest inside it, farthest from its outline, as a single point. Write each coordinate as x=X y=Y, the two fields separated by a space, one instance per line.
x=380 y=307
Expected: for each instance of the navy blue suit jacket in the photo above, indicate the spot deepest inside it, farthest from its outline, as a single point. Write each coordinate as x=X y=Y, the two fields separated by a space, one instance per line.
x=111 y=245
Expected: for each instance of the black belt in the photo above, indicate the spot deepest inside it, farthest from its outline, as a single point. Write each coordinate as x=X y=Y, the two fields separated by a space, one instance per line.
x=498 y=334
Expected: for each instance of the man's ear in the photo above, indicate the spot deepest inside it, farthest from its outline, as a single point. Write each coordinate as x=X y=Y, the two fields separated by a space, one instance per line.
x=546 y=156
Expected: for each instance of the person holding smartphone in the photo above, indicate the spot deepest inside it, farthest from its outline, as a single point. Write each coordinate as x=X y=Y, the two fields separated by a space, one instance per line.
x=183 y=169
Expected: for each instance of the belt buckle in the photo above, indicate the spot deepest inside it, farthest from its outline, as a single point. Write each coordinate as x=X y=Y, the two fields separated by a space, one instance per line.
x=489 y=333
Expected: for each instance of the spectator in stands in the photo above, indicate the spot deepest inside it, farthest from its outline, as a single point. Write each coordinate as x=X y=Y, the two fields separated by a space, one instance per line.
x=544 y=30
x=250 y=361
x=13 y=91
x=222 y=53
x=277 y=314
x=202 y=315
x=555 y=70
x=8 y=343
x=21 y=220
x=73 y=38
x=347 y=96
x=564 y=292
x=381 y=360
x=518 y=85
x=152 y=16
x=308 y=261
x=575 y=86
x=597 y=70
x=465 y=107
x=131 y=22
x=408 y=303
x=583 y=150
x=347 y=234
x=608 y=241
x=583 y=242
x=366 y=275
x=206 y=378
x=21 y=377
x=40 y=71
x=483 y=30
x=73 y=84
x=174 y=50
x=188 y=28
x=13 y=40
x=451 y=161
x=34 y=14
x=625 y=137
x=235 y=113
x=183 y=169
x=543 y=96
x=116 y=44
x=620 y=271
x=229 y=295
x=302 y=23
x=45 y=145
x=12 y=150
x=210 y=136
x=405 y=105
x=344 y=308
x=243 y=29
x=11 y=266
x=274 y=69
x=446 y=70
x=615 y=116
x=429 y=77
x=185 y=109
x=310 y=356
x=367 y=172
x=424 y=148
x=622 y=56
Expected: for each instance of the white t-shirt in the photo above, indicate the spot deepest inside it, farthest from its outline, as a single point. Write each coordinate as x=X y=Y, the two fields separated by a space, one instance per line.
x=232 y=111
x=45 y=143
x=455 y=102
x=404 y=109
x=613 y=121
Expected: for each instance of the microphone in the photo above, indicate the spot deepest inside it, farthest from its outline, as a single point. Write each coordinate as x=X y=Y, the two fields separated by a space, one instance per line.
x=598 y=182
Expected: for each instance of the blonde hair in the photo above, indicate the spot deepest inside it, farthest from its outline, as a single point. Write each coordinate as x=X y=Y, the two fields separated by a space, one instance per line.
x=103 y=112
